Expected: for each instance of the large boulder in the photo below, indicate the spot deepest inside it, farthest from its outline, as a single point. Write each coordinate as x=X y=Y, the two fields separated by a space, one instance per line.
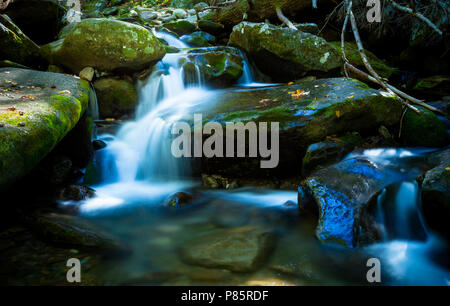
x=40 y=20
x=107 y=45
x=16 y=46
x=436 y=194
x=283 y=53
x=37 y=109
x=424 y=129
x=219 y=66
x=353 y=56
x=345 y=197
x=115 y=97
x=241 y=249
x=307 y=112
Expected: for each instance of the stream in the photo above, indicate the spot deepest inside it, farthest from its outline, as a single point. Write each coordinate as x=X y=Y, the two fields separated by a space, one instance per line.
x=138 y=173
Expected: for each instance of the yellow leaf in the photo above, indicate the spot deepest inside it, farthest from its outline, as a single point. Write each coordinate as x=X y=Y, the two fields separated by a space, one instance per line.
x=290 y=83
x=338 y=114
x=448 y=168
x=64 y=92
x=349 y=97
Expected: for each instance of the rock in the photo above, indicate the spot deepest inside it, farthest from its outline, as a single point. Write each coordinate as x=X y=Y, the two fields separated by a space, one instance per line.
x=66 y=30
x=352 y=54
x=16 y=46
x=198 y=39
x=49 y=106
x=115 y=97
x=311 y=28
x=41 y=20
x=220 y=66
x=106 y=45
x=181 y=27
x=211 y=27
x=285 y=54
x=147 y=15
x=434 y=86
x=75 y=232
x=346 y=196
x=87 y=73
x=200 y=6
x=180 y=13
x=76 y=193
x=218 y=182
x=242 y=249
x=329 y=151
x=424 y=130
x=436 y=194
x=55 y=69
x=110 y=11
x=178 y=199
x=98 y=144
x=94 y=7
x=307 y=112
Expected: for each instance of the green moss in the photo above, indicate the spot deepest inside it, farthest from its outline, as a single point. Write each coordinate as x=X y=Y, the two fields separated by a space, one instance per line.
x=424 y=129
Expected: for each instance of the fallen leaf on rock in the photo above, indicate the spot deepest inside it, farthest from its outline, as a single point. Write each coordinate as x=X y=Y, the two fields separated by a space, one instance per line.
x=349 y=97
x=64 y=92
x=338 y=114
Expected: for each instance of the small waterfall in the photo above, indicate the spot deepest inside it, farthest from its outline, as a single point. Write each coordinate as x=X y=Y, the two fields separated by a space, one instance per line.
x=171 y=40
x=399 y=212
x=141 y=149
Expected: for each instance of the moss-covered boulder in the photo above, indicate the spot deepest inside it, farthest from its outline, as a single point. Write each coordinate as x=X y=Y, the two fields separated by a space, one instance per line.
x=181 y=26
x=283 y=53
x=107 y=45
x=16 y=46
x=434 y=86
x=211 y=27
x=40 y=20
x=198 y=39
x=219 y=66
x=436 y=194
x=37 y=109
x=115 y=97
x=424 y=129
x=307 y=113
x=352 y=54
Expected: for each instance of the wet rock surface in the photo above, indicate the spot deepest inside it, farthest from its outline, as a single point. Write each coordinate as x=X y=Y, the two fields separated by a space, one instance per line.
x=241 y=249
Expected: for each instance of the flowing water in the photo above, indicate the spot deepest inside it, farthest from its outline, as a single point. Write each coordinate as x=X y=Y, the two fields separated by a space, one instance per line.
x=138 y=173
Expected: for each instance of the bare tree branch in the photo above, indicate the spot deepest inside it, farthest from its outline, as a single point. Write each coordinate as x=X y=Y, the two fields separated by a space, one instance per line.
x=415 y=14
x=284 y=19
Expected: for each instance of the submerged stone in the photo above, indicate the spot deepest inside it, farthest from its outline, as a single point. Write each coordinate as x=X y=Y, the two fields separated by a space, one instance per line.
x=242 y=249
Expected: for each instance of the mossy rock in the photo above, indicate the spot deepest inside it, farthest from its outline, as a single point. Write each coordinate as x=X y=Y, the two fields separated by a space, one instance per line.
x=306 y=112
x=285 y=54
x=211 y=27
x=181 y=26
x=437 y=85
x=115 y=97
x=16 y=47
x=94 y=7
x=352 y=54
x=41 y=20
x=424 y=129
x=220 y=66
x=107 y=45
x=36 y=118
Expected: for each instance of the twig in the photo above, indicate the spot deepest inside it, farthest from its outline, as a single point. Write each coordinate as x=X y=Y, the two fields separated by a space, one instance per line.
x=415 y=14
x=329 y=16
x=284 y=19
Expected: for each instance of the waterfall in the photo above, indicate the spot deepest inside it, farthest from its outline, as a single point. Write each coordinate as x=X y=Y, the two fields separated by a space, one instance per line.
x=141 y=150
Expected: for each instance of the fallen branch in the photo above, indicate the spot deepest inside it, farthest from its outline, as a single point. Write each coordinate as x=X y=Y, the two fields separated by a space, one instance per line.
x=284 y=19
x=415 y=14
